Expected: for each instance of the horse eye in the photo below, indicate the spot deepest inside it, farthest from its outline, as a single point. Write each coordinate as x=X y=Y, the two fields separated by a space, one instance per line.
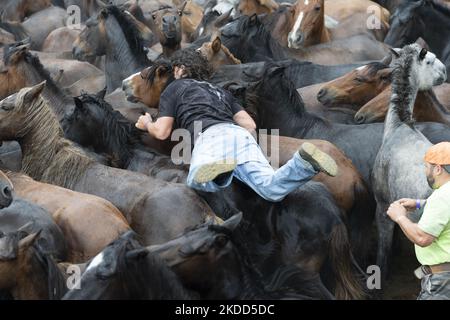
x=221 y=241
x=153 y=16
x=318 y=8
x=422 y=54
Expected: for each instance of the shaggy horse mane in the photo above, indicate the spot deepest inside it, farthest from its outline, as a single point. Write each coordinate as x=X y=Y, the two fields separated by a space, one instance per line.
x=50 y=157
x=131 y=33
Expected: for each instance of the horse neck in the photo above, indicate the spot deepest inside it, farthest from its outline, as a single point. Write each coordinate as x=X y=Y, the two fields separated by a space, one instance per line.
x=59 y=102
x=428 y=108
x=46 y=155
x=119 y=58
x=404 y=91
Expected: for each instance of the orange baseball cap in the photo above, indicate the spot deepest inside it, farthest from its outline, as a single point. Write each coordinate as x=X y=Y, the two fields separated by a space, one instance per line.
x=439 y=154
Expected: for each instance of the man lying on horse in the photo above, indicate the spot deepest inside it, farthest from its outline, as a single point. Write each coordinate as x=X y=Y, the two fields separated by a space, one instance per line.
x=221 y=130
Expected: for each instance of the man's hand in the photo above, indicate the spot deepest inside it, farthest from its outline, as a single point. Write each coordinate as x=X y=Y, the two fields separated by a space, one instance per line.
x=396 y=211
x=143 y=121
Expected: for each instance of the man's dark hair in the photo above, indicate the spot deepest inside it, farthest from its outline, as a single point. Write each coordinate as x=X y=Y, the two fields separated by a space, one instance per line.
x=197 y=66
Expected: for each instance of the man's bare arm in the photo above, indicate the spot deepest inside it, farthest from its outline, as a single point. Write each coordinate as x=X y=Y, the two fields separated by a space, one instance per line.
x=414 y=233
x=160 y=129
x=243 y=119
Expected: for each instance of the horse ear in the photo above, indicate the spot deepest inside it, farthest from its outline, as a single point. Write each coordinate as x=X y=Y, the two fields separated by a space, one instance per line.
x=137 y=254
x=101 y=94
x=78 y=103
x=29 y=240
x=395 y=52
x=32 y=93
x=387 y=60
x=421 y=42
x=181 y=10
x=253 y=19
x=161 y=71
x=103 y=13
x=223 y=19
x=232 y=223
x=216 y=44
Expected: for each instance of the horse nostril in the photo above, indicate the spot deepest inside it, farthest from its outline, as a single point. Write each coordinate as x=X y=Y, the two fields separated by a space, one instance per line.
x=360 y=119
x=321 y=93
x=6 y=192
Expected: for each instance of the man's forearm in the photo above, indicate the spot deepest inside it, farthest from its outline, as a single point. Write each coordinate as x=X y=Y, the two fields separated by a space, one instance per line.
x=412 y=231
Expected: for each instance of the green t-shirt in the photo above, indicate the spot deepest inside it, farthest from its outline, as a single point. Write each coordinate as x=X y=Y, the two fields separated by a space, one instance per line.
x=436 y=221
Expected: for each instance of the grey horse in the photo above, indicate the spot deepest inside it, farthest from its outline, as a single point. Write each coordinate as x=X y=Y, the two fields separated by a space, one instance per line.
x=399 y=170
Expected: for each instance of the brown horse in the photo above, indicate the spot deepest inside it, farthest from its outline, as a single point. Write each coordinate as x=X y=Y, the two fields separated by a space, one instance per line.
x=167 y=20
x=309 y=22
x=217 y=54
x=18 y=10
x=26 y=271
x=89 y=223
x=427 y=108
x=155 y=209
x=6 y=191
x=249 y=7
x=190 y=19
x=357 y=87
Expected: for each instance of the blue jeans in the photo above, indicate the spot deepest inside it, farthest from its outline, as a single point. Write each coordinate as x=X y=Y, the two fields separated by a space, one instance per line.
x=228 y=141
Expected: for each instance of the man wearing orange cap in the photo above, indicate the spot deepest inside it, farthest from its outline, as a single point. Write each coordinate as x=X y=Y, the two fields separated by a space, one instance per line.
x=431 y=235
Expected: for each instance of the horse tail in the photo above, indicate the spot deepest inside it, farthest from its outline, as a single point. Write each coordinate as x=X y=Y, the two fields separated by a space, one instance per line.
x=360 y=221
x=348 y=283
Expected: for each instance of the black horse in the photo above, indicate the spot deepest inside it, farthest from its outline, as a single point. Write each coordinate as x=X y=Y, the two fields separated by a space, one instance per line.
x=428 y=19
x=124 y=271
x=305 y=230
x=95 y=124
x=220 y=262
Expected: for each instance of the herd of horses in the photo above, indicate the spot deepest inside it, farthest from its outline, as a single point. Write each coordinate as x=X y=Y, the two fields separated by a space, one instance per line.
x=81 y=187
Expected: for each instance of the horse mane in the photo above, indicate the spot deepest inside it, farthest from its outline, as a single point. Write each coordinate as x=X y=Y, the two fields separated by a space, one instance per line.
x=133 y=274
x=131 y=33
x=230 y=55
x=51 y=158
x=55 y=279
x=262 y=37
x=401 y=88
x=291 y=101
x=117 y=132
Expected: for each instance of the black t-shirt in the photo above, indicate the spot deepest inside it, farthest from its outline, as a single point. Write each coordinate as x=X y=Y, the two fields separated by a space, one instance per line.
x=189 y=100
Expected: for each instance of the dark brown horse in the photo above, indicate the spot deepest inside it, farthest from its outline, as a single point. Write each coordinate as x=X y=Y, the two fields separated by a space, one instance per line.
x=26 y=271
x=148 y=204
x=167 y=20
x=6 y=191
